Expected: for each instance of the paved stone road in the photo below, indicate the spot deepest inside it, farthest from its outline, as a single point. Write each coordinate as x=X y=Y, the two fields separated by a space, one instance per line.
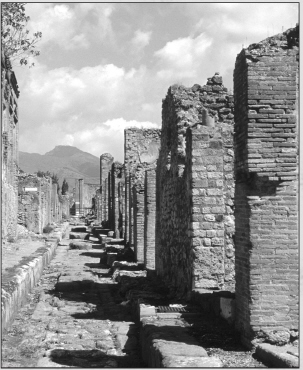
x=74 y=318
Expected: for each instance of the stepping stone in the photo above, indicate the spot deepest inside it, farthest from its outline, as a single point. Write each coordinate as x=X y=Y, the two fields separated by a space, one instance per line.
x=116 y=241
x=93 y=239
x=79 y=229
x=111 y=257
x=191 y=361
x=80 y=245
x=171 y=348
x=77 y=235
x=114 y=248
x=133 y=274
x=64 y=242
x=128 y=266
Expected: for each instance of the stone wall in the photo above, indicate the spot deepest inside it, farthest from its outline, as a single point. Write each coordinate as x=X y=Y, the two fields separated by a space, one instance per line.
x=106 y=161
x=115 y=217
x=10 y=154
x=141 y=150
x=266 y=196
x=194 y=236
x=150 y=219
x=46 y=194
x=30 y=212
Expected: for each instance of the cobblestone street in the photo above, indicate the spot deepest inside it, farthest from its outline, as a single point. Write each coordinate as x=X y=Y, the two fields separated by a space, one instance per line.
x=73 y=318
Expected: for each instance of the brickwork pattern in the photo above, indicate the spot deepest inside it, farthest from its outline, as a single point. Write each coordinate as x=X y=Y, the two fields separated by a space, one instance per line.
x=141 y=148
x=266 y=147
x=150 y=219
x=194 y=237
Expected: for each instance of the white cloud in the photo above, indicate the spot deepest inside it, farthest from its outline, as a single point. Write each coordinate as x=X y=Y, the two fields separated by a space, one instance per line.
x=181 y=58
x=67 y=101
x=106 y=137
x=71 y=27
x=141 y=39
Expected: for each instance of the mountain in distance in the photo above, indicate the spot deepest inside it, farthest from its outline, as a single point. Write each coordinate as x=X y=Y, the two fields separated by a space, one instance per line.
x=68 y=162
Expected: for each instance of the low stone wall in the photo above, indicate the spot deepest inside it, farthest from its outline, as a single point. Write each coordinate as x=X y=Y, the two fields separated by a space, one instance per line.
x=15 y=288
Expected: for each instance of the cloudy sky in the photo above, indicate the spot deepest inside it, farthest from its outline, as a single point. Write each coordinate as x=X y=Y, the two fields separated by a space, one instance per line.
x=107 y=66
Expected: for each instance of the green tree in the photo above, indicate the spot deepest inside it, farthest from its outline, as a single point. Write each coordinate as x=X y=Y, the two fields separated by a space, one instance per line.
x=64 y=189
x=43 y=174
x=55 y=180
x=16 y=43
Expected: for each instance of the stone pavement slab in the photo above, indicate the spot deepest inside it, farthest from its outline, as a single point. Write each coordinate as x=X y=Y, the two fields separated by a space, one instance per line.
x=278 y=356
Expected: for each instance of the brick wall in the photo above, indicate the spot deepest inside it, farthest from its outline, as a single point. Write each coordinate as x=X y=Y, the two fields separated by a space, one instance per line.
x=150 y=219
x=10 y=156
x=106 y=161
x=141 y=147
x=195 y=226
x=266 y=213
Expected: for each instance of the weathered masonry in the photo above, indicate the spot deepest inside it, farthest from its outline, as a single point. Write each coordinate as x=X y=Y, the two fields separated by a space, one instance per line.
x=211 y=198
x=266 y=197
x=106 y=161
x=10 y=156
x=195 y=188
x=84 y=195
x=141 y=150
x=38 y=202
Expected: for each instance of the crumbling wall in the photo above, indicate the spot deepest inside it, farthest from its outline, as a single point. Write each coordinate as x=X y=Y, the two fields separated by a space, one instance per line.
x=30 y=204
x=115 y=218
x=10 y=156
x=106 y=161
x=150 y=219
x=65 y=206
x=194 y=236
x=89 y=192
x=141 y=151
x=98 y=205
x=266 y=167
x=46 y=189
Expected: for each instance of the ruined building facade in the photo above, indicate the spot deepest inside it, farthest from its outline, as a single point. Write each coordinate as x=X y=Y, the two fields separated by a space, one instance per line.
x=10 y=154
x=39 y=203
x=141 y=150
x=211 y=199
x=195 y=188
x=266 y=197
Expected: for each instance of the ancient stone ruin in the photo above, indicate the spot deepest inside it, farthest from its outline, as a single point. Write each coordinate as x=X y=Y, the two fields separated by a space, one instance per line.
x=209 y=202
x=266 y=180
x=195 y=188
x=10 y=157
x=211 y=198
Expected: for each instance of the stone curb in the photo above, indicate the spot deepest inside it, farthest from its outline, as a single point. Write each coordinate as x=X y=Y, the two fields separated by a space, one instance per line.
x=276 y=356
x=24 y=280
x=164 y=343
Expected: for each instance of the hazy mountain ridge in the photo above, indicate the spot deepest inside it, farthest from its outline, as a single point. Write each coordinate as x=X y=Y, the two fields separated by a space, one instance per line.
x=66 y=161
